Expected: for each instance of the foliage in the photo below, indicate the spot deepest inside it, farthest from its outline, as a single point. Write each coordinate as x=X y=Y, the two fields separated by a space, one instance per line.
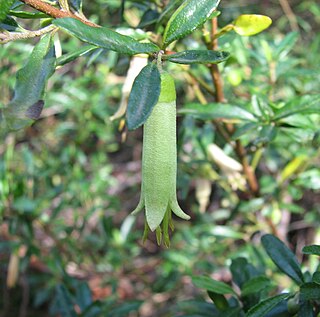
x=248 y=159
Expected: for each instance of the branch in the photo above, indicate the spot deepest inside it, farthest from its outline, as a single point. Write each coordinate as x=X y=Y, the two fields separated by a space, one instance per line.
x=54 y=12
x=219 y=97
x=6 y=37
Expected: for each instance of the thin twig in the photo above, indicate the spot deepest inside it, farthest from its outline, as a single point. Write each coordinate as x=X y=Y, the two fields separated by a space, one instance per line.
x=54 y=12
x=290 y=15
x=6 y=37
x=219 y=97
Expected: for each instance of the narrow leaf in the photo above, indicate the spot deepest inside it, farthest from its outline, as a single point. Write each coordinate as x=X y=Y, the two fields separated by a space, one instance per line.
x=144 y=96
x=27 y=102
x=306 y=310
x=5 y=6
x=311 y=249
x=283 y=257
x=310 y=291
x=198 y=57
x=217 y=111
x=305 y=104
x=67 y=58
x=212 y=285
x=251 y=24
x=105 y=38
x=266 y=305
x=189 y=16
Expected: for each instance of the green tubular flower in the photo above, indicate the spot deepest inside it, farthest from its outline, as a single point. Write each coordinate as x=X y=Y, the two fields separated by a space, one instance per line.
x=159 y=164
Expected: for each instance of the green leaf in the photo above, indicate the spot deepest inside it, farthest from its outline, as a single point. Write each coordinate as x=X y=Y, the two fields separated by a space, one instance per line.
x=219 y=300
x=316 y=277
x=65 y=302
x=283 y=257
x=28 y=15
x=251 y=24
x=105 y=38
x=5 y=6
x=189 y=16
x=67 y=58
x=255 y=285
x=198 y=57
x=305 y=310
x=144 y=96
x=212 y=285
x=217 y=111
x=310 y=291
x=27 y=102
x=266 y=305
x=311 y=249
x=305 y=104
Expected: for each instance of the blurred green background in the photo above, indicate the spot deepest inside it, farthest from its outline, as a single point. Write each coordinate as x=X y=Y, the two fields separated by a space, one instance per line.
x=69 y=182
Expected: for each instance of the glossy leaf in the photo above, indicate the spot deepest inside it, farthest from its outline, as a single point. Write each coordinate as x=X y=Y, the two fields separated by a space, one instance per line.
x=105 y=38
x=198 y=57
x=211 y=285
x=217 y=111
x=305 y=104
x=310 y=291
x=144 y=96
x=5 y=6
x=311 y=249
x=189 y=16
x=67 y=58
x=283 y=257
x=27 y=103
x=251 y=24
x=266 y=305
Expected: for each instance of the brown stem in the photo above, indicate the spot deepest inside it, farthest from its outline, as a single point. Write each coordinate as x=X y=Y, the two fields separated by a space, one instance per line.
x=219 y=97
x=54 y=12
x=290 y=15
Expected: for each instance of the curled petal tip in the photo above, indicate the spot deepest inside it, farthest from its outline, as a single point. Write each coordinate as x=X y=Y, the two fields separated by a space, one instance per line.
x=177 y=210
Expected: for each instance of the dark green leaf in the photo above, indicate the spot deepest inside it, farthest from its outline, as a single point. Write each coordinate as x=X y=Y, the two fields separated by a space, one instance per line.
x=149 y=17
x=305 y=310
x=283 y=257
x=305 y=104
x=310 y=291
x=255 y=285
x=189 y=16
x=144 y=96
x=198 y=57
x=10 y=25
x=76 y=4
x=67 y=58
x=105 y=38
x=212 y=285
x=83 y=295
x=266 y=305
x=197 y=308
x=27 y=103
x=28 y=15
x=311 y=249
x=316 y=277
x=219 y=300
x=65 y=302
x=5 y=6
x=217 y=111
